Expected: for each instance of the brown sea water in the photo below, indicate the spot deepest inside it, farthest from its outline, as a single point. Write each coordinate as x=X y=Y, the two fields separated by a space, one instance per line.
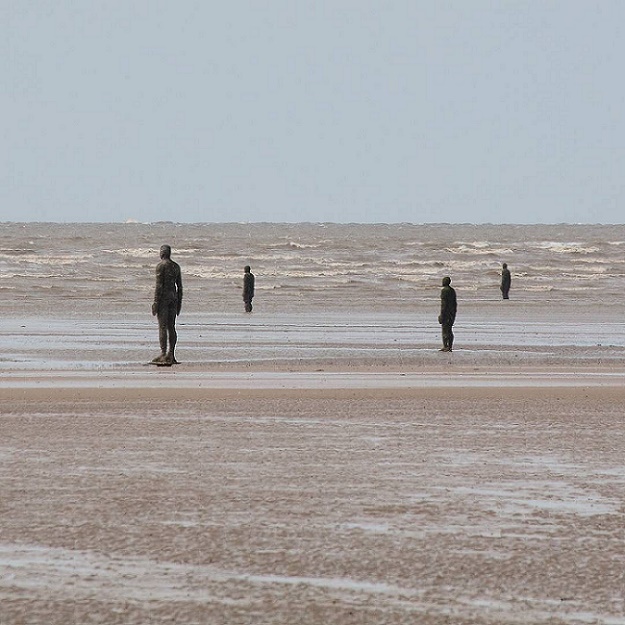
x=88 y=268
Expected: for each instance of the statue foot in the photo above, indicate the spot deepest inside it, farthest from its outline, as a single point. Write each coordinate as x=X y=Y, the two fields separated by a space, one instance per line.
x=159 y=359
x=170 y=359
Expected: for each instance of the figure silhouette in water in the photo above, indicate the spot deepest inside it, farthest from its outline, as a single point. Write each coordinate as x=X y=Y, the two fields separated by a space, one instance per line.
x=448 y=314
x=506 y=280
x=167 y=305
x=248 y=288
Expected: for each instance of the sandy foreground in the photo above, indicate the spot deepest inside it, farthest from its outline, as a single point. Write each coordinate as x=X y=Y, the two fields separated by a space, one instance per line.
x=176 y=496
x=312 y=474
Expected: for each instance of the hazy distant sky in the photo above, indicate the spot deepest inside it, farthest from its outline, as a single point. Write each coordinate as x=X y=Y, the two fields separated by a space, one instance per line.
x=332 y=110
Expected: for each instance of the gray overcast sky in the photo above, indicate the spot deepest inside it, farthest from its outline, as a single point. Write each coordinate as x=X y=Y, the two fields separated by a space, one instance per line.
x=333 y=110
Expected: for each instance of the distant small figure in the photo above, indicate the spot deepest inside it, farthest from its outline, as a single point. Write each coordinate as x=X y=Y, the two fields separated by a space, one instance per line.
x=248 y=288
x=448 y=314
x=167 y=305
x=506 y=280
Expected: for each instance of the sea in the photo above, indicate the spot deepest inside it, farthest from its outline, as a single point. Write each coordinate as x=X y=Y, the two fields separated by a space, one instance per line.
x=319 y=285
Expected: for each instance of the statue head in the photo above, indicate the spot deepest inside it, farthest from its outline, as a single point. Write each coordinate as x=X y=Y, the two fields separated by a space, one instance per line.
x=247 y=269
x=446 y=281
x=505 y=265
x=165 y=251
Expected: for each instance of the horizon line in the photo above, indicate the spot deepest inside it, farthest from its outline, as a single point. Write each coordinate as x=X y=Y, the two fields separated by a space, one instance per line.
x=135 y=222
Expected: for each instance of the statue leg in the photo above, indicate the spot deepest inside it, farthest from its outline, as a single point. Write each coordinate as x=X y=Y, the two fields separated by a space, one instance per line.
x=162 y=337
x=448 y=338
x=173 y=336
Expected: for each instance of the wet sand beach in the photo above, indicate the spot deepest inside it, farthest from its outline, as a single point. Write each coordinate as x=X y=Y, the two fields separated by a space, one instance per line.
x=354 y=504
x=314 y=465
x=352 y=482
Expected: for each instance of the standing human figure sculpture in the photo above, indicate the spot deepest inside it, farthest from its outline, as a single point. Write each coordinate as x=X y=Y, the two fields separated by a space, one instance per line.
x=167 y=305
x=248 y=288
x=448 y=314
x=506 y=280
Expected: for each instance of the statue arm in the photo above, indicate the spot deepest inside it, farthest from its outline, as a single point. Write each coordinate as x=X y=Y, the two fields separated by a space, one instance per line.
x=179 y=290
x=158 y=289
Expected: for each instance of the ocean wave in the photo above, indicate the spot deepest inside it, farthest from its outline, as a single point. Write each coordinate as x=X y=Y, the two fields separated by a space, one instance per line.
x=569 y=247
x=50 y=259
x=17 y=252
x=139 y=252
x=470 y=250
x=301 y=246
